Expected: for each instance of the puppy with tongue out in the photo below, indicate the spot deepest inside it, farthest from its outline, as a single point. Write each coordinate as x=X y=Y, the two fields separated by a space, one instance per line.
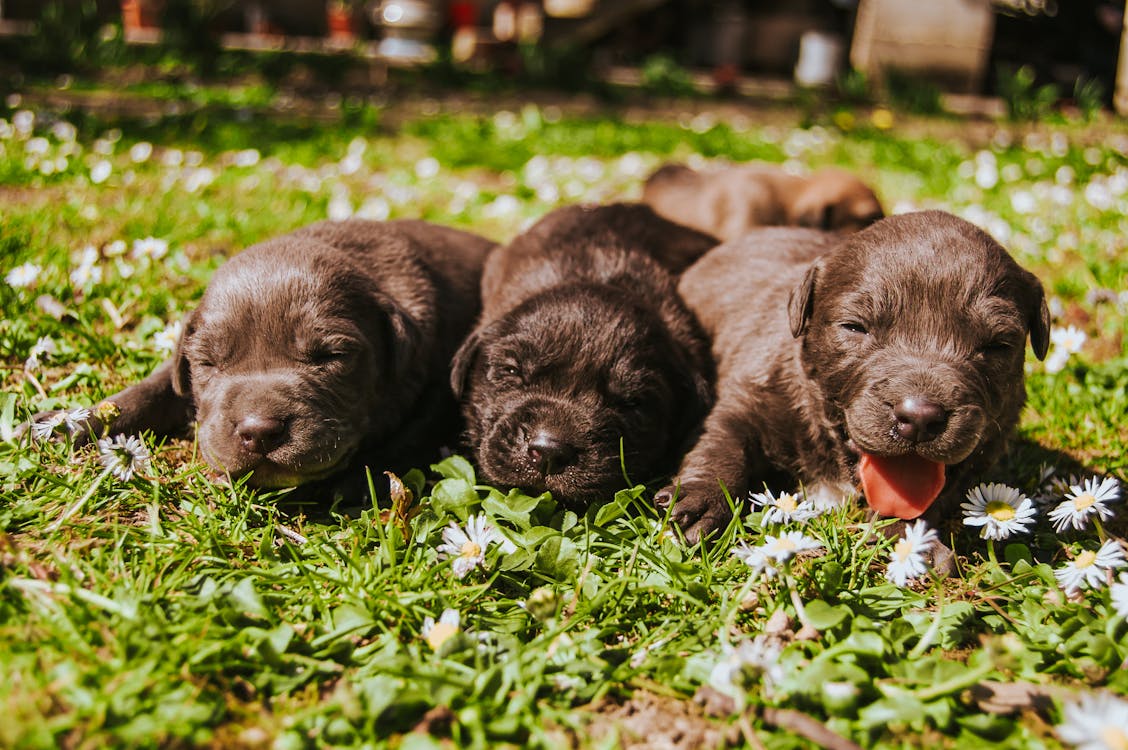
x=888 y=361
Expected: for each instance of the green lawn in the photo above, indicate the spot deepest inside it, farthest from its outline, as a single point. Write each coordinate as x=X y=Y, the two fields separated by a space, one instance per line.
x=168 y=610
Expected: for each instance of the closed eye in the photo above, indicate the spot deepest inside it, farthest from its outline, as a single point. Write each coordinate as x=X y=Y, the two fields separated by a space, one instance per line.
x=505 y=372
x=996 y=347
x=330 y=352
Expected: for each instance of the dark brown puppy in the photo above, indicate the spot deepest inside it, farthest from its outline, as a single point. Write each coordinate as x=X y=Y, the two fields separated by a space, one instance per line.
x=893 y=361
x=584 y=346
x=730 y=201
x=320 y=350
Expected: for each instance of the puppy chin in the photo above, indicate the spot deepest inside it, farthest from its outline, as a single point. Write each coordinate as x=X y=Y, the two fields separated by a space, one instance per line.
x=277 y=470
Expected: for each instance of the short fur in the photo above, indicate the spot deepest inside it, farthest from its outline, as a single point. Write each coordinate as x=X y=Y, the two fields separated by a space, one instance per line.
x=317 y=352
x=813 y=357
x=730 y=201
x=584 y=343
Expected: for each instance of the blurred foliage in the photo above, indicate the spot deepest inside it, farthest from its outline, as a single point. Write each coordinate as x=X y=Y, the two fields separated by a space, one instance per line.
x=1024 y=97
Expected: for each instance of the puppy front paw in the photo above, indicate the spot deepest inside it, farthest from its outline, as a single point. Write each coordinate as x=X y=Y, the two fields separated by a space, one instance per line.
x=699 y=511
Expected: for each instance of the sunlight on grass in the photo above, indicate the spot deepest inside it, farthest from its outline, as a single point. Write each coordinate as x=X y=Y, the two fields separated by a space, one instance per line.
x=158 y=607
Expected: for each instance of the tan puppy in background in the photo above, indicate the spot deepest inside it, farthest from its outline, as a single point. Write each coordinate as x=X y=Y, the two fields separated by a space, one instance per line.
x=729 y=201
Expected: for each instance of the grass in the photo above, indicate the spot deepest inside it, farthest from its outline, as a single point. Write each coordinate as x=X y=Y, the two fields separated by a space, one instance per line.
x=173 y=611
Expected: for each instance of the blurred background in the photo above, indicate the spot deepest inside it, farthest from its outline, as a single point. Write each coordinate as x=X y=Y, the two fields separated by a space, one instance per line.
x=1042 y=53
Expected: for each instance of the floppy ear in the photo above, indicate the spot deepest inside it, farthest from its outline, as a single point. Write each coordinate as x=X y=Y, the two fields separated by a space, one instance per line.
x=1037 y=315
x=181 y=371
x=818 y=215
x=801 y=302
x=403 y=338
x=463 y=361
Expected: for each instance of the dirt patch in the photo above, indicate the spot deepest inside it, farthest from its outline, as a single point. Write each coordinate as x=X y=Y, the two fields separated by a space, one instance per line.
x=651 y=722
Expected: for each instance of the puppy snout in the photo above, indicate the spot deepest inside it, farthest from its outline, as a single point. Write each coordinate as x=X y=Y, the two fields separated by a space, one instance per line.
x=260 y=435
x=920 y=419
x=549 y=452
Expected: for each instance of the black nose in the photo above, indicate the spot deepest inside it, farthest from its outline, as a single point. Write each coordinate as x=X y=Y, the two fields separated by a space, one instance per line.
x=259 y=434
x=550 y=453
x=920 y=420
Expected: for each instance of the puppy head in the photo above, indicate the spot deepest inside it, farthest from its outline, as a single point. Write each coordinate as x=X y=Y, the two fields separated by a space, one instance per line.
x=834 y=200
x=914 y=332
x=288 y=359
x=572 y=387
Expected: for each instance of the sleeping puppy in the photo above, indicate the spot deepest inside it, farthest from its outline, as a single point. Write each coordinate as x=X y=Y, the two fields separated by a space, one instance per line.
x=585 y=361
x=317 y=352
x=893 y=361
x=730 y=201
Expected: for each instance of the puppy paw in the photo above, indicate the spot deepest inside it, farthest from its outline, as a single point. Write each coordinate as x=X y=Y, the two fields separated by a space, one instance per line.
x=698 y=512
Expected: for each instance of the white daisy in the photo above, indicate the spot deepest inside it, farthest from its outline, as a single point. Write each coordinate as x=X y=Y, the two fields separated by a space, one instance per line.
x=907 y=558
x=45 y=427
x=1069 y=339
x=123 y=456
x=149 y=247
x=101 y=171
x=999 y=509
x=1083 y=500
x=740 y=668
x=468 y=548
x=1056 y=361
x=1119 y=594
x=1090 y=569
x=788 y=544
x=87 y=273
x=427 y=168
x=786 y=508
x=23 y=275
x=755 y=558
x=140 y=152
x=76 y=418
x=43 y=347
x=166 y=339
x=1095 y=721
x=438 y=633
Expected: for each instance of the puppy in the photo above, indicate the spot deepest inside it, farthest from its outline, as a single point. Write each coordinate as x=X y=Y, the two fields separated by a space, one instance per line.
x=893 y=361
x=585 y=363
x=317 y=352
x=730 y=201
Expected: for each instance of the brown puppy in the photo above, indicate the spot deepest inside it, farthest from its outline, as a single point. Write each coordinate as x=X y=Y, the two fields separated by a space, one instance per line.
x=319 y=351
x=730 y=201
x=585 y=361
x=894 y=360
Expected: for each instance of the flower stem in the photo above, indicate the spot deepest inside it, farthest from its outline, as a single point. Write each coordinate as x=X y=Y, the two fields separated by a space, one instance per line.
x=76 y=506
x=800 y=610
x=1100 y=528
x=991 y=553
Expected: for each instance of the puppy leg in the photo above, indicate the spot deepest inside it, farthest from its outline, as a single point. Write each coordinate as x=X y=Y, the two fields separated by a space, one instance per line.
x=720 y=458
x=150 y=405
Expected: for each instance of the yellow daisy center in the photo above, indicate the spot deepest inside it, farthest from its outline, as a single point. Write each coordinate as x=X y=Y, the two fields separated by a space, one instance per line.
x=471 y=549
x=1084 y=501
x=440 y=633
x=1000 y=511
x=1085 y=559
x=787 y=502
x=785 y=545
x=1114 y=738
x=902 y=549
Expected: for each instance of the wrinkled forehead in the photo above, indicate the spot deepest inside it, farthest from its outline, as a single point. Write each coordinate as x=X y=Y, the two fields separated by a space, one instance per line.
x=956 y=296
x=273 y=302
x=598 y=334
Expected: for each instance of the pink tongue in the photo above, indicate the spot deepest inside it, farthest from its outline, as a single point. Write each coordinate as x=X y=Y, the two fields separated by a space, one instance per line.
x=900 y=486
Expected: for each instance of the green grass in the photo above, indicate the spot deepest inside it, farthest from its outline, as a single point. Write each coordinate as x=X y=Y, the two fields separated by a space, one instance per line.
x=172 y=611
